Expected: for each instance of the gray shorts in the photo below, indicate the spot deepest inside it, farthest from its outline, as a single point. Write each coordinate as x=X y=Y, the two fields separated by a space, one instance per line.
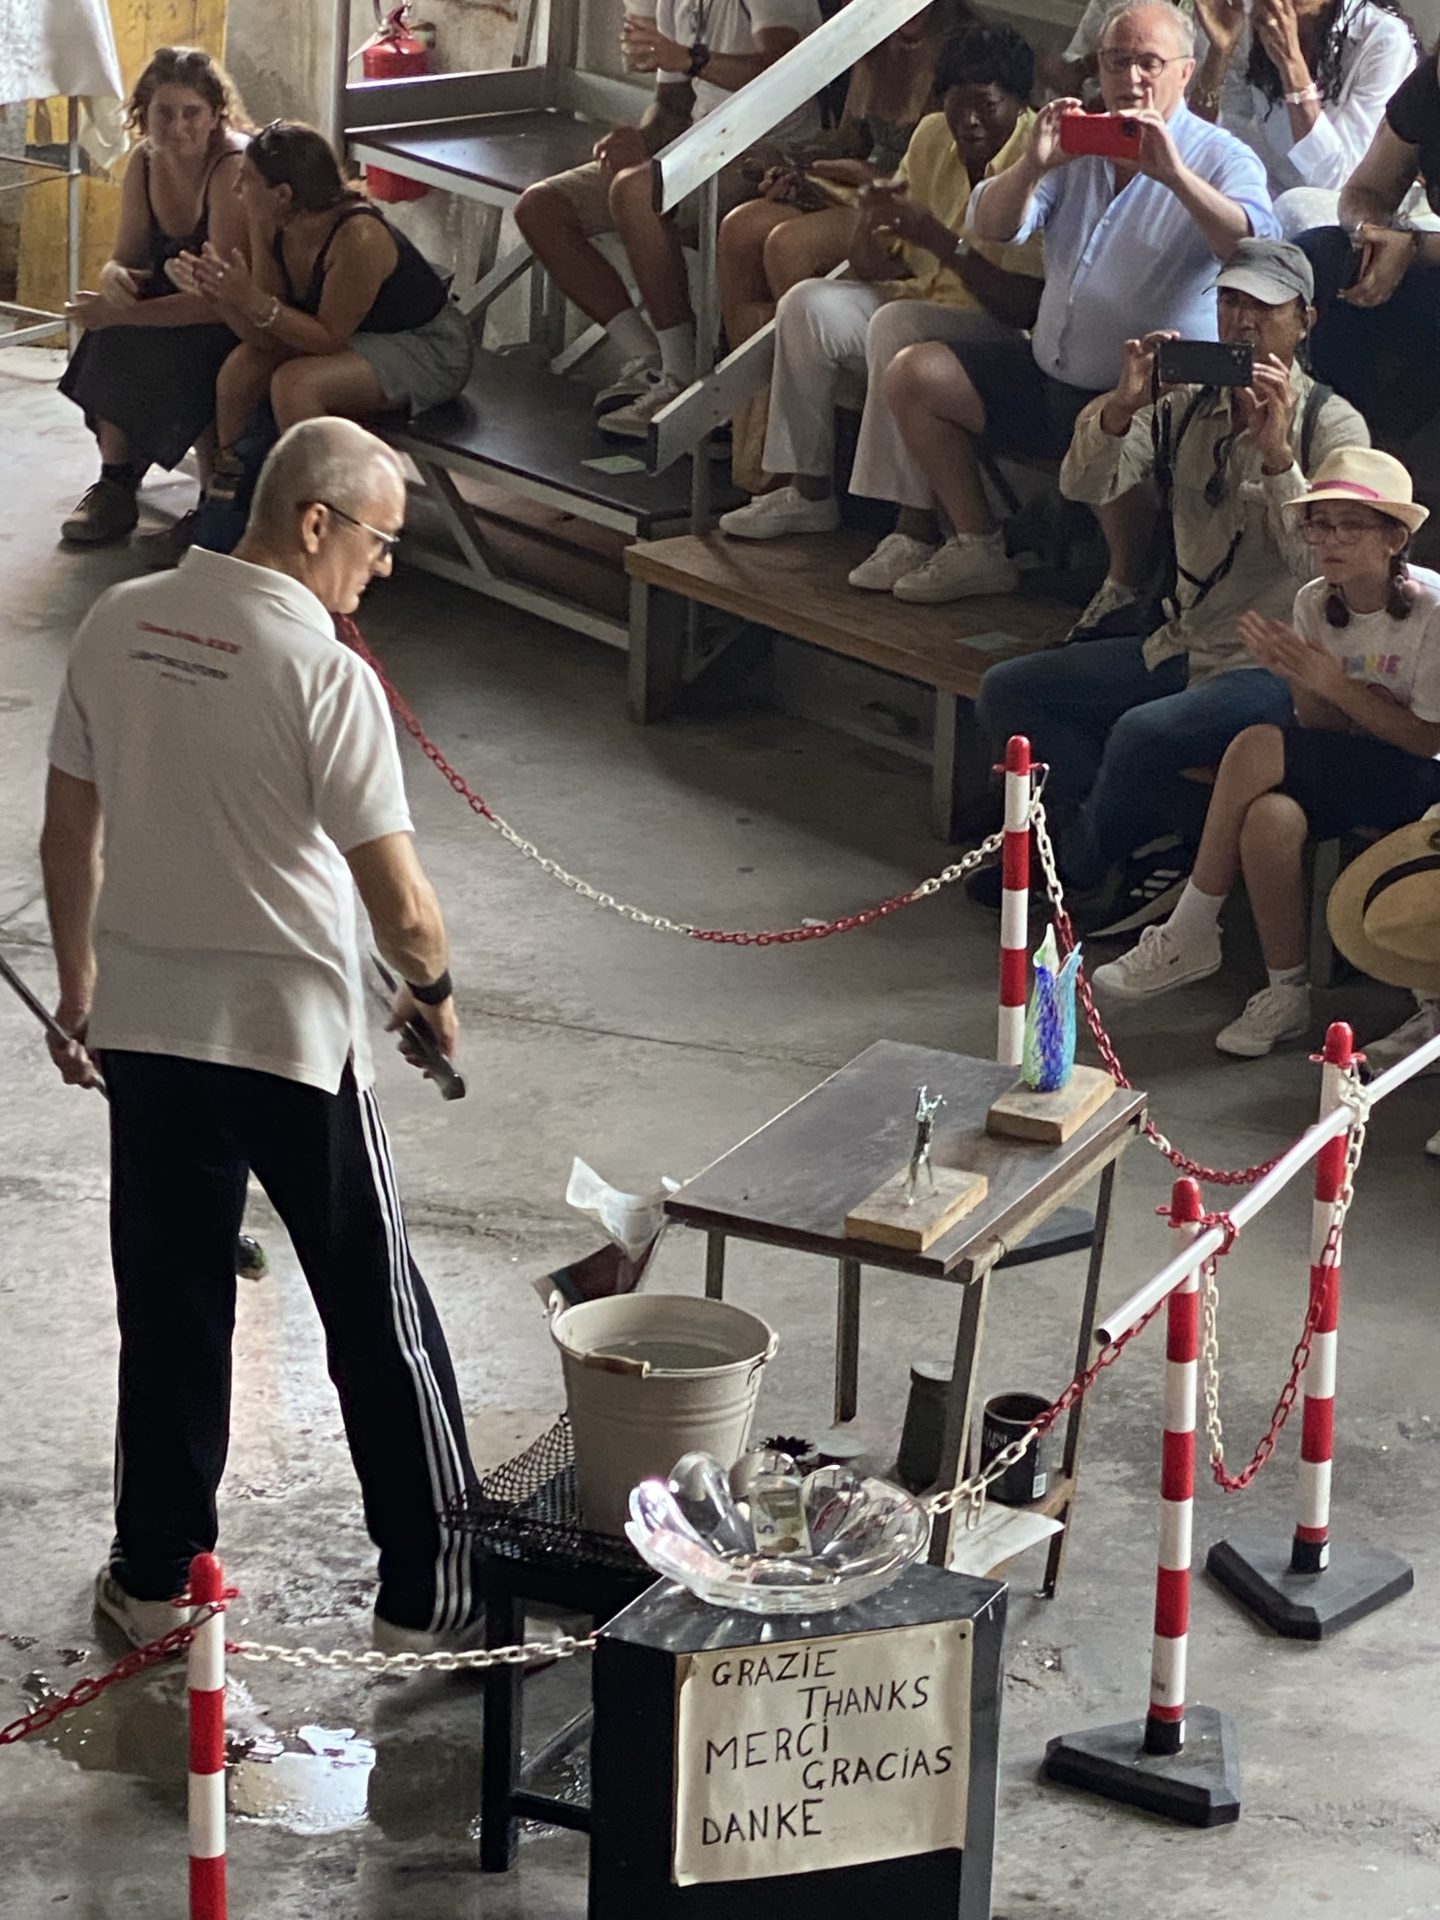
x=587 y=188
x=422 y=368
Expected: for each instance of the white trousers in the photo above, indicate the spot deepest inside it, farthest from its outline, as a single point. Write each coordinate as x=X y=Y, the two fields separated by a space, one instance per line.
x=826 y=328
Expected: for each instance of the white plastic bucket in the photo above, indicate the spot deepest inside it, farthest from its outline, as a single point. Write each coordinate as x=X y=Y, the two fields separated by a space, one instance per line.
x=648 y=1377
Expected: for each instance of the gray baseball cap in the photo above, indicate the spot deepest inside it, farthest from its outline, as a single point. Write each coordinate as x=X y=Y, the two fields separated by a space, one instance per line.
x=1274 y=271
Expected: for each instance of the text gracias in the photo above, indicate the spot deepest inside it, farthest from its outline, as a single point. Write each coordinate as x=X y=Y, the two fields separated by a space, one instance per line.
x=809 y=1742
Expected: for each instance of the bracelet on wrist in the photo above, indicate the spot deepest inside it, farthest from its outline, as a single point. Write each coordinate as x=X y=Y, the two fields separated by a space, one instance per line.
x=436 y=992
x=1302 y=94
x=270 y=315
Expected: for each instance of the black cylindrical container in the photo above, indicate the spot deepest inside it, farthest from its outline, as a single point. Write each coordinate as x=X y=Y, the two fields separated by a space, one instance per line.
x=1005 y=1418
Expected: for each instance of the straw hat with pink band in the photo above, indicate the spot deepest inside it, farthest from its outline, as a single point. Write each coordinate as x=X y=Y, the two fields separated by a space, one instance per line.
x=1367 y=478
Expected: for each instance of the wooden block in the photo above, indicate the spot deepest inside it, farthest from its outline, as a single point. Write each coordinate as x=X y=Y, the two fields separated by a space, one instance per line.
x=1050 y=1118
x=886 y=1221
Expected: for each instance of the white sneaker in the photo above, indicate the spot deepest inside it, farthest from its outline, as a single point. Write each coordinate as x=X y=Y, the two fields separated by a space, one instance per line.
x=1111 y=597
x=1272 y=1015
x=1158 y=963
x=1422 y=1025
x=141 y=1621
x=633 y=378
x=896 y=555
x=784 y=510
x=1432 y=1146
x=632 y=421
x=967 y=563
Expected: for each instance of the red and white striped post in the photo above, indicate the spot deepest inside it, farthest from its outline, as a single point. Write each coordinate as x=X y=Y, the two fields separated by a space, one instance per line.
x=207 y=1744
x=1014 y=903
x=1310 y=1549
x=1165 y=1721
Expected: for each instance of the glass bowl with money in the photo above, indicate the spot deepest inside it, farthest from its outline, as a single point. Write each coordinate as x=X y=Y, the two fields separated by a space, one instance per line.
x=766 y=1538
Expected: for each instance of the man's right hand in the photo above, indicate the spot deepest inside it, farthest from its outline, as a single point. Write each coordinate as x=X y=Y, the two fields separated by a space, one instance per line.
x=77 y=1069
x=1045 y=152
x=1135 y=387
x=621 y=148
x=443 y=1022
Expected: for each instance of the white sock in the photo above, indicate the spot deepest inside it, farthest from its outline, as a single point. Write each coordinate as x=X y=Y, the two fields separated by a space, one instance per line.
x=677 y=351
x=1196 y=914
x=1288 y=976
x=632 y=334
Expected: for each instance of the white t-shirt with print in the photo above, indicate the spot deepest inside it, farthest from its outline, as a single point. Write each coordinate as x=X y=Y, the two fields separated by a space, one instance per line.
x=1402 y=656
x=240 y=750
x=730 y=26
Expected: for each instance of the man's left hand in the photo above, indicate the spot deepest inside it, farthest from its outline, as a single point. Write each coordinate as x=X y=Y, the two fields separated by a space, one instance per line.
x=1267 y=412
x=647 y=50
x=1159 y=156
x=77 y=1069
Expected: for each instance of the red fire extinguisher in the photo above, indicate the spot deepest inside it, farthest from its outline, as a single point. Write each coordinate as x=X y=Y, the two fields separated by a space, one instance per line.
x=399 y=49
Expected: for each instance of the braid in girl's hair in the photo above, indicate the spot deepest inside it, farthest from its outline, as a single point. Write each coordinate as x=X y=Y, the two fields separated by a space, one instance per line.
x=1403 y=591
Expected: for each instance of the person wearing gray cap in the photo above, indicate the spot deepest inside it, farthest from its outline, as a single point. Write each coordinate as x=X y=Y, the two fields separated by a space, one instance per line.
x=1119 y=719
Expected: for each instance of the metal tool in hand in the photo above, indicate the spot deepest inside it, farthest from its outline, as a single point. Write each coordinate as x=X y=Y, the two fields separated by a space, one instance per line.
x=925 y=1112
x=421 y=1035
x=250 y=1261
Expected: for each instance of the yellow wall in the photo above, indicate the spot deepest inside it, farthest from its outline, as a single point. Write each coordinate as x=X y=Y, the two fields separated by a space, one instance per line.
x=140 y=27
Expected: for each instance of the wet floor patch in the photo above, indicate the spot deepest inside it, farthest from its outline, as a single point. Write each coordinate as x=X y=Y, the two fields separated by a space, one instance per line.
x=314 y=1780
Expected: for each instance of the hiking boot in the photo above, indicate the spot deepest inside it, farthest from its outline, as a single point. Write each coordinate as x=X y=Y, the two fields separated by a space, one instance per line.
x=141 y=1621
x=786 y=510
x=168 y=546
x=107 y=511
x=1272 y=1015
x=967 y=563
x=896 y=555
x=1159 y=963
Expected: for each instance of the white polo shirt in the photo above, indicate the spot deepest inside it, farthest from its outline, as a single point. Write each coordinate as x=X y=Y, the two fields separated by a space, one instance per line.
x=240 y=750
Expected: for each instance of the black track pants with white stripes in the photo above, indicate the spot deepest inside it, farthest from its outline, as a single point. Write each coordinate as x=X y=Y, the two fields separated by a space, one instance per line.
x=183 y=1134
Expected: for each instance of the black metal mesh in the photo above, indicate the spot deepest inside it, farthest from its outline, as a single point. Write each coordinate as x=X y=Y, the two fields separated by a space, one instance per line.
x=529 y=1508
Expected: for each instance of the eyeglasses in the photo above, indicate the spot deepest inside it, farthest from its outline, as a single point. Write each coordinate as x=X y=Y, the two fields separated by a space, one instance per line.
x=1113 y=60
x=1345 y=533
x=389 y=542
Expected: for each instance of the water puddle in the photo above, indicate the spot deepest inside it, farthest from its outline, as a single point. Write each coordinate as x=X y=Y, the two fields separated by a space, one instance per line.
x=315 y=1780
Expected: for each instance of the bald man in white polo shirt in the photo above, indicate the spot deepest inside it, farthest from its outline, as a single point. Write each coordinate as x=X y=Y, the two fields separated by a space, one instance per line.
x=242 y=764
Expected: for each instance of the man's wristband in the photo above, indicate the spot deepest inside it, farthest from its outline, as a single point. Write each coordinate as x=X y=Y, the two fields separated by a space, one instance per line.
x=436 y=993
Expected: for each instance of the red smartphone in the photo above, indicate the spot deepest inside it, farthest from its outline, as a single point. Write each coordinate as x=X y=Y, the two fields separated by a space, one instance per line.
x=1111 y=134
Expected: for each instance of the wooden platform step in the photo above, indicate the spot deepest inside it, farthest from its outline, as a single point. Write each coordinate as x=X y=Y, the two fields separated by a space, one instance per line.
x=798 y=587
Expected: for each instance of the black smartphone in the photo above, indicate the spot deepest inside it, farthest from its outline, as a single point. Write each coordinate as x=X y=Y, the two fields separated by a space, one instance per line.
x=1206 y=363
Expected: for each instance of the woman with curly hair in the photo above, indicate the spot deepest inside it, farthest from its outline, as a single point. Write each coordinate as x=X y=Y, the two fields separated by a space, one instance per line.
x=1304 y=82
x=144 y=371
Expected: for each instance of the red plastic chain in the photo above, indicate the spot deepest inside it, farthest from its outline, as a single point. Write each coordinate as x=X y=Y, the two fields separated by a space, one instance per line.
x=1212 y=1176
x=716 y=936
x=150 y=1655
x=1289 y=1393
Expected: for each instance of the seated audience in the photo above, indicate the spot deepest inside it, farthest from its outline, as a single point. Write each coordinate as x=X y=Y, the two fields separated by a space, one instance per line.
x=337 y=311
x=1377 y=278
x=1304 y=82
x=799 y=227
x=1119 y=719
x=827 y=327
x=695 y=72
x=1130 y=247
x=1361 y=657
x=144 y=369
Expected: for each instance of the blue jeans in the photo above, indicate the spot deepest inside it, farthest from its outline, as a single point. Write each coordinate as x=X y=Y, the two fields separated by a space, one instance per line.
x=1117 y=735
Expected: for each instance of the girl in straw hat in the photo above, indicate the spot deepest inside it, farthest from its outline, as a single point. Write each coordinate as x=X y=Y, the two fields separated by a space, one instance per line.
x=1362 y=659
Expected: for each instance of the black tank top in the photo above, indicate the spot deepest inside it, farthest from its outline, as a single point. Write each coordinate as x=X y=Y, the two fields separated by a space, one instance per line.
x=161 y=246
x=412 y=294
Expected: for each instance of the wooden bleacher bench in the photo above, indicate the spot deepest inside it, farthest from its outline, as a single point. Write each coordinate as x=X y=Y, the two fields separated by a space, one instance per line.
x=797 y=588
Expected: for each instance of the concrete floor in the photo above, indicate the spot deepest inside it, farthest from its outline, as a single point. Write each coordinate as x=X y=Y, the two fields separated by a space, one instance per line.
x=649 y=1056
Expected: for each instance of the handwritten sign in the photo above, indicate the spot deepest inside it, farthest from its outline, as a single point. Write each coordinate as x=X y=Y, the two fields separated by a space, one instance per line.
x=791 y=1757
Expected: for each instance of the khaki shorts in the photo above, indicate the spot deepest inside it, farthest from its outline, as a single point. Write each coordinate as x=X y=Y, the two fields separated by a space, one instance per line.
x=587 y=189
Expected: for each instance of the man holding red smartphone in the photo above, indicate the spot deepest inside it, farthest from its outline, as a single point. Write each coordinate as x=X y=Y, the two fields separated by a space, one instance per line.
x=1130 y=246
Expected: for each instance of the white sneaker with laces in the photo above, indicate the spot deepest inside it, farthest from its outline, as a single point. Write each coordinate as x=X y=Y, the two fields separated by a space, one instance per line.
x=632 y=379
x=896 y=555
x=1110 y=597
x=1156 y=964
x=141 y=1621
x=967 y=563
x=632 y=421
x=1422 y=1025
x=783 y=510
x=1272 y=1015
